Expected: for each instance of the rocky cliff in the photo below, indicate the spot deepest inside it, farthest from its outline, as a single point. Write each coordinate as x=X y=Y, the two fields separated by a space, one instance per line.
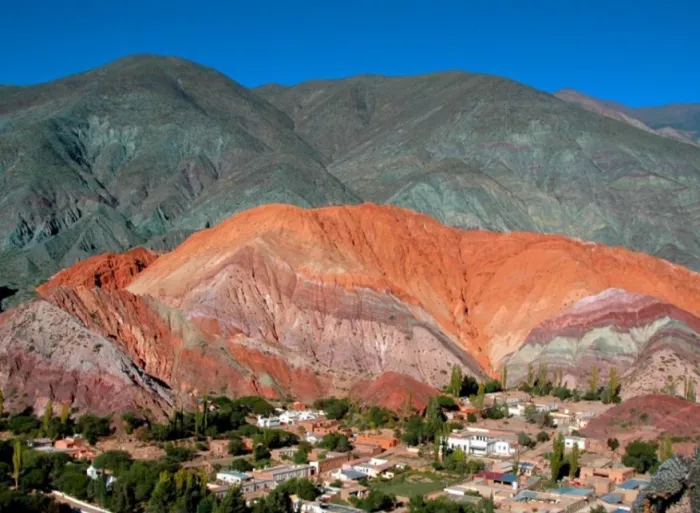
x=280 y=300
x=648 y=340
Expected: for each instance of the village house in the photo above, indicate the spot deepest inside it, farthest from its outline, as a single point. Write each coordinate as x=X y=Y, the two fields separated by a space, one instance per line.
x=385 y=442
x=372 y=467
x=354 y=490
x=367 y=449
x=218 y=448
x=347 y=474
x=630 y=489
x=330 y=461
x=291 y=417
x=268 y=422
x=570 y=441
x=323 y=427
x=616 y=475
x=282 y=473
x=528 y=501
x=232 y=477
x=483 y=442
x=75 y=447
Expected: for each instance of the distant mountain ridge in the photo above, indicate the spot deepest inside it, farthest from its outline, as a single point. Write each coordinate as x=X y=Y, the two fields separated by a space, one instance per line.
x=148 y=149
x=677 y=121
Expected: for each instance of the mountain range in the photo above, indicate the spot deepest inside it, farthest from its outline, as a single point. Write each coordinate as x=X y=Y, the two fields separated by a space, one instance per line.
x=336 y=236
x=147 y=150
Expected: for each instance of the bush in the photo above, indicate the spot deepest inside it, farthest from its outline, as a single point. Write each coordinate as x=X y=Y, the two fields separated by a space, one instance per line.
x=525 y=440
x=236 y=447
x=471 y=418
x=93 y=427
x=447 y=403
x=334 y=408
x=178 y=454
x=542 y=436
x=241 y=465
x=335 y=442
x=376 y=500
x=641 y=456
x=116 y=461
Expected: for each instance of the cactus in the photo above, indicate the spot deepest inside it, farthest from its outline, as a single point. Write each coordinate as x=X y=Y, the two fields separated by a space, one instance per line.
x=675 y=478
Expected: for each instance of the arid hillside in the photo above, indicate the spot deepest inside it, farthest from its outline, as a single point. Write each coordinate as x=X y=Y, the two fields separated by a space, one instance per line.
x=285 y=301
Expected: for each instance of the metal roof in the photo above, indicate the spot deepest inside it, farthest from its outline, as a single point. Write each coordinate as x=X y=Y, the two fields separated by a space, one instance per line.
x=633 y=484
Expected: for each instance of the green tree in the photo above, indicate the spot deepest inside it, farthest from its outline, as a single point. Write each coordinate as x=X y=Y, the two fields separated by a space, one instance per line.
x=236 y=446
x=480 y=396
x=665 y=449
x=122 y=498
x=641 y=456
x=48 y=416
x=557 y=457
x=613 y=382
x=335 y=442
x=530 y=375
x=524 y=440
x=241 y=465
x=65 y=414
x=163 y=496
x=574 y=461
x=504 y=377
x=542 y=437
x=613 y=444
x=455 y=385
x=17 y=461
x=593 y=380
x=115 y=461
x=233 y=502
x=689 y=389
x=542 y=374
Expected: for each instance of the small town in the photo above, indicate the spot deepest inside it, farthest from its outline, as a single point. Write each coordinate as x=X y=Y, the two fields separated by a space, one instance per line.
x=474 y=449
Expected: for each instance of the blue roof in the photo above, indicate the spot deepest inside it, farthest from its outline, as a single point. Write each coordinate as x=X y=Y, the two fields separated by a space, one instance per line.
x=235 y=473
x=583 y=492
x=612 y=498
x=633 y=484
x=509 y=478
x=526 y=494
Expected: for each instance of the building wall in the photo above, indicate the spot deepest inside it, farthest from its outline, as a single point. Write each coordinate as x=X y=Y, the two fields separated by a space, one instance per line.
x=383 y=442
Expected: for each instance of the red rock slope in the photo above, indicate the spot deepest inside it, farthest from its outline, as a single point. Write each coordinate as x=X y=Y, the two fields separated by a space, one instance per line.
x=294 y=277
x=647 y=417
x=109 y=271
x=394 y=391
x=280 y=300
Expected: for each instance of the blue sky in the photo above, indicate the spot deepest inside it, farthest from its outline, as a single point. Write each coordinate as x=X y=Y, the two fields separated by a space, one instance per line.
x=637 y=52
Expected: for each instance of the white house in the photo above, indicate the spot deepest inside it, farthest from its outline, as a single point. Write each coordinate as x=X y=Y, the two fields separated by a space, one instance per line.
x=92 y=473
x=313 y=438
x=480 y=442
x=571 y=441
x=374 y=467
x=292 y=417
x=268 y=422
x=232 y=477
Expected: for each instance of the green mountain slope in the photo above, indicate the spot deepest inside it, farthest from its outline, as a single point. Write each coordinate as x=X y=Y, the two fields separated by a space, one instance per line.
x=141 y=151
x=479 y=151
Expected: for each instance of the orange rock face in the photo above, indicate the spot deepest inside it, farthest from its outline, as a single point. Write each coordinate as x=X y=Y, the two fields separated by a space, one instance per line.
x=109 y=271
x=374 y=302
x=485 y=291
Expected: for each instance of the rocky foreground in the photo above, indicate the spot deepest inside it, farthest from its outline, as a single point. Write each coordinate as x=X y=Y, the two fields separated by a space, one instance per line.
x=282 y=301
